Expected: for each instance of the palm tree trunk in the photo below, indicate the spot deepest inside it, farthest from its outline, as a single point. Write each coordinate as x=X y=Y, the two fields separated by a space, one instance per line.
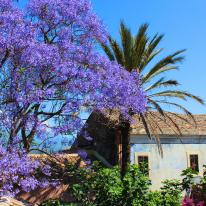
x=125 y=128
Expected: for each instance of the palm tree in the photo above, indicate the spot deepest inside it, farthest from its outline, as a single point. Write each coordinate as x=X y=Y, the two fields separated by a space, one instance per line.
x=137 y=53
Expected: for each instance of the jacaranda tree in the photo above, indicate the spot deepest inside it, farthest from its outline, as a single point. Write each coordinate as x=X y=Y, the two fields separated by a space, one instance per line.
x=50 y=70
x=19 y=172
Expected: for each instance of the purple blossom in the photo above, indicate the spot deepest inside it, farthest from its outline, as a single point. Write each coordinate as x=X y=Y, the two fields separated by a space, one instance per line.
x=50 y=70
x=83 y=154
x=18 y=172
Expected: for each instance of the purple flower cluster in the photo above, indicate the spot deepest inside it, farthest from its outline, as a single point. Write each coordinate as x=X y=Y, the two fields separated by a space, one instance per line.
x=83 y=154
x=17 y=172
x=50 y=70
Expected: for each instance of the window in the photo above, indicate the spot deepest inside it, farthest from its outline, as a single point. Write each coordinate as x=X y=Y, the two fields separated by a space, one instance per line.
x=194 y=162
x=143 y=162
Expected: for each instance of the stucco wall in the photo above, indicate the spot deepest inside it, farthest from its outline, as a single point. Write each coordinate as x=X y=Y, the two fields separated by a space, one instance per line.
x=175 y=156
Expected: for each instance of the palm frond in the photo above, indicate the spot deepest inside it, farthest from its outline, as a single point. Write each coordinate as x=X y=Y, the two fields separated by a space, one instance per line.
x=191 y=96
x=163 y=114
x=141 y=32
x=178 y=94
x=184 y=119
x=154 y=42
x=182 y=108
x=169 y=93
x=155 y=134
x=143 y=119
x=127 y=44
x=174 y=124
x=167 y=120
x=150 y=75
x=140 y=45
x=162 y=83
x=155 y=128
x=163 y=65
x=108 y=51
x=150 y=51
x=157 y=107
x=117 y=51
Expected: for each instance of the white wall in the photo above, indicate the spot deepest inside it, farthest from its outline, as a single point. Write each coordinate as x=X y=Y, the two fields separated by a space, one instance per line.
x=174 y=160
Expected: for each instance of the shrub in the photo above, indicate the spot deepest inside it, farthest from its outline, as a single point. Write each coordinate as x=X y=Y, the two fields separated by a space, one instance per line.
x=56 y=203
x=155 y=199
x=104 y=187
x=188 y=175
x=171 y=193
x=195 y=191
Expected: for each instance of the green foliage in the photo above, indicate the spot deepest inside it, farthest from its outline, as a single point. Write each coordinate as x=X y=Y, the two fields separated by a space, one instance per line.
x=188 y=175
x=155 y=199
x=105 y=187
x=135 y=186
x=56 y=203
x=171 y=192
x=143 y=166
x=52 y=203
x=203 y=181
x=99 y=186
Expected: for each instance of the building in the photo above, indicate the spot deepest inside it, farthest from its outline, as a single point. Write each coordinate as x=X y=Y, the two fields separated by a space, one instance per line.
x=179 y=152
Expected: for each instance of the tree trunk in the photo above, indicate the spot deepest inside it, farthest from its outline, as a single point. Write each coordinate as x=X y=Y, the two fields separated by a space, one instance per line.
x=125 y=129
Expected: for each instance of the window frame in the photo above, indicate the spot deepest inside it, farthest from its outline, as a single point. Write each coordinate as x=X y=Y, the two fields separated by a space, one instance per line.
x=195 y=152
x=198 y=161
x=144 y=154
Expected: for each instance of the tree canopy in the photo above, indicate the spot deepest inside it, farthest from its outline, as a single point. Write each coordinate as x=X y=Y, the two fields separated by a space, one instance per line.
x=50 y=70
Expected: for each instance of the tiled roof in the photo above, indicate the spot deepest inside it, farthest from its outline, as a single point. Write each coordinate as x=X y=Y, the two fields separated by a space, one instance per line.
x=72 y=158
x=41 y=195
x=187 y=127
x=185 y=123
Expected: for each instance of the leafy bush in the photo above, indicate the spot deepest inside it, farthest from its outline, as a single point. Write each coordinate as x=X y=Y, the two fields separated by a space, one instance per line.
x=99 y=186
x=171 y=193
x=188 y=175
x=155 y=199
x=105 y=187
x=195 y=191
x=56 y=203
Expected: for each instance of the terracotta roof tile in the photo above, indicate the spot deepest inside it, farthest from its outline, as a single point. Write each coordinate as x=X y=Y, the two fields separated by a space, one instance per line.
x=71 y=158
x=187 y=127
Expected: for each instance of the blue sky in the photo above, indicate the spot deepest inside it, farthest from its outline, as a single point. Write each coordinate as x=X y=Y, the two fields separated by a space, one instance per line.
x=182 y=21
